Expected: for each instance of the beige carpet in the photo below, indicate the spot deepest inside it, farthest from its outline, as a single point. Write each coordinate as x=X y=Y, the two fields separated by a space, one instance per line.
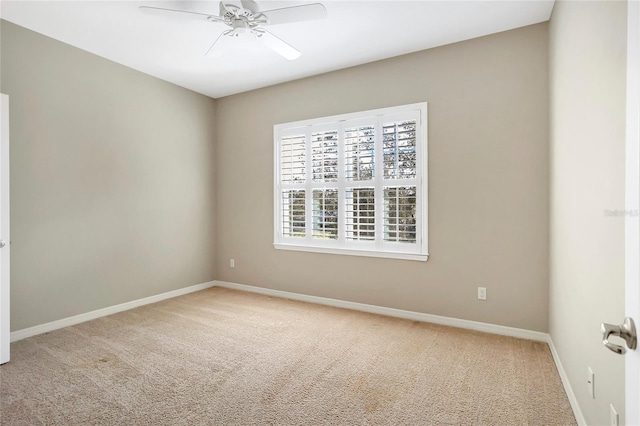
x=224 y=357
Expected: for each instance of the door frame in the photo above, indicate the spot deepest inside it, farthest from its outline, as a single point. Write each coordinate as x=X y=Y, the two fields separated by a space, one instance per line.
x=5 y=275
x=632 y=195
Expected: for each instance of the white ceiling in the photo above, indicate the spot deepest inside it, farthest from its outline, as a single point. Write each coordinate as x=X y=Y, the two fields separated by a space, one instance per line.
x=355 y=32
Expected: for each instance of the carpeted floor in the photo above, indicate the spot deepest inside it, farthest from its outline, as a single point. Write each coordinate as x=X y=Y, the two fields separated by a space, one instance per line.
x=224 y=357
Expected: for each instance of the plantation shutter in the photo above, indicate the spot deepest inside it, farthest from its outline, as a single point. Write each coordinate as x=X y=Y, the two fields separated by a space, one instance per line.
x=353 y=184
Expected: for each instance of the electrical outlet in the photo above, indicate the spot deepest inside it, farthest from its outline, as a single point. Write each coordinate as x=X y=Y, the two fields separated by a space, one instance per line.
x=615 y=419
x=591 y=383
x=232 y=263
x=482 y=293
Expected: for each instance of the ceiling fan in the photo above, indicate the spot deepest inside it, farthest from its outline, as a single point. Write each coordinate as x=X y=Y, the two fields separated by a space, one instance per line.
x=244 y=17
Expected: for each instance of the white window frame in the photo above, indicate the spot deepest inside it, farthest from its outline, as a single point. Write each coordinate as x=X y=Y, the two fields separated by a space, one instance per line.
x=378 y=248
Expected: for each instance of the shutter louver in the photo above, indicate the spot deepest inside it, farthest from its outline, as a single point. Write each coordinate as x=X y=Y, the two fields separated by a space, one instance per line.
x=361 y=212
x=399 y=147
x=325 y=213
x=400 y=214
x=292 y=159
x=359 y=146
x=293 y=213
x=324 y=146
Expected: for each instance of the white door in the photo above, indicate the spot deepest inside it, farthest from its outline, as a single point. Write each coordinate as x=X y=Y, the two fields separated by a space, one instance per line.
x=4 y=229
x=632 y=224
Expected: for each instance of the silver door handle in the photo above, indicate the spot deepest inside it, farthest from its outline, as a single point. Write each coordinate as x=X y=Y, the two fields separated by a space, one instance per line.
x=626 y=331
x=2 y=243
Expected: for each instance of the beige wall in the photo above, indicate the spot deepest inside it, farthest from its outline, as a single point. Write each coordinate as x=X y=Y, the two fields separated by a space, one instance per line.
x=587 y=48
x=112 y=190
x=488 y=182
x=1 y=21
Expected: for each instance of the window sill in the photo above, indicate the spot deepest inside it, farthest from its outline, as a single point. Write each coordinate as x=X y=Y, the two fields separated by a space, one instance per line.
x=352 y=252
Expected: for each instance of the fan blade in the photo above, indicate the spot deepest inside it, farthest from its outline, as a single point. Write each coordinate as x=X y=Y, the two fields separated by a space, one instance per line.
x=250 y=5
x=231 y=6
x=306 y=12
x=179 y=13
x=217 y=52
x=279 y=46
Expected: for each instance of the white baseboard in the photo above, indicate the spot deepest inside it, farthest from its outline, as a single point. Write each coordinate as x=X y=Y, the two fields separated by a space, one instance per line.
x=392 y=312
x=577 y=412
x=77 y=319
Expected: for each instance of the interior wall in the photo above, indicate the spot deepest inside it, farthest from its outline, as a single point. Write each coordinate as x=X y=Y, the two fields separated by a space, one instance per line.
x=112 y=186
x=1 y=21
x=488 y=182
x=587 y=50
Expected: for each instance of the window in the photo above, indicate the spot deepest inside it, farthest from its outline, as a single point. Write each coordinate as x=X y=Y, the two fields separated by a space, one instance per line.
x=354 y=184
